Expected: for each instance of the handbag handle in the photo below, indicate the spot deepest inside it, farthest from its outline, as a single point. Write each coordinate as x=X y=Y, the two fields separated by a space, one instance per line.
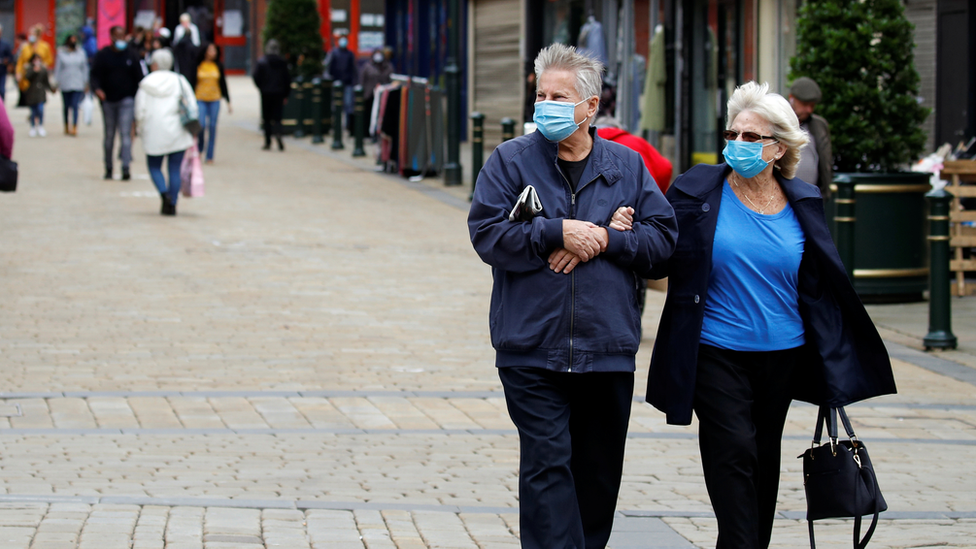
x=828 y=415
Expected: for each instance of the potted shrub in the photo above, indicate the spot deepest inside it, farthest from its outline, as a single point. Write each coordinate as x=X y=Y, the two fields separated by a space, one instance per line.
x=295 y=25
x=860 y=53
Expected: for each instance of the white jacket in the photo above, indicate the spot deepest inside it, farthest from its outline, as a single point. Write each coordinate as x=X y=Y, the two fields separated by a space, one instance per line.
x=158 y=112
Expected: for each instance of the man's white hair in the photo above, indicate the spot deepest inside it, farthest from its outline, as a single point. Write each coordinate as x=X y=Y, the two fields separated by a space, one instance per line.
x=588 y=70
x=776 y=110
x=162 y=58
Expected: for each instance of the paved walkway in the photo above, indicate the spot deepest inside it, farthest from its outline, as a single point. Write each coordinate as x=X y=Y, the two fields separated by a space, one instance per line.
x=300 y=359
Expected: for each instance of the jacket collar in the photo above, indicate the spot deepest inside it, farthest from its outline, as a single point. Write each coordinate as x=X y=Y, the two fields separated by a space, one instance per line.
x=601 y=161
x=714 y=175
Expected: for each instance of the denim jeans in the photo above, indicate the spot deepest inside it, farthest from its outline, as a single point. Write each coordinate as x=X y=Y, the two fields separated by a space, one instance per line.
x=174 y=161
x=208 y=119
x=71 y=100
x=37 y=115
x=118 y=117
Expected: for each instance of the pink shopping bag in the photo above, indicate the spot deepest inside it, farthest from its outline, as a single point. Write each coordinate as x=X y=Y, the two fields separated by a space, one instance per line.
x=191 y=173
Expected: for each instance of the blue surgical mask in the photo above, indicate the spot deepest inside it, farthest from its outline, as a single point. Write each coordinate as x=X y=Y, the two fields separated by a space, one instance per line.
x=745 y=157
x=121 y=44
x=343 y=42
x=556 y=120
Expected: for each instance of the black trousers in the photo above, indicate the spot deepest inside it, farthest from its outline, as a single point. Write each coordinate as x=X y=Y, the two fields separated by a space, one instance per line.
x=741 y=400
x=272 y=105
x=572 y=432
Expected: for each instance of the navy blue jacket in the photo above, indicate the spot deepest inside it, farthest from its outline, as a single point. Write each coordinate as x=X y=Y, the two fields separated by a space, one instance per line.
x=588 y=320
x=844 y=358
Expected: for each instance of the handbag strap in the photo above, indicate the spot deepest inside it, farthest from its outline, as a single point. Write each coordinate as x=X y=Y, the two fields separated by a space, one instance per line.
x=827 y=415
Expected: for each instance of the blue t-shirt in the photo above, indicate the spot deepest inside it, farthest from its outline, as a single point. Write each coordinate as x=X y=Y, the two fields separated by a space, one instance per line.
x=752 y=300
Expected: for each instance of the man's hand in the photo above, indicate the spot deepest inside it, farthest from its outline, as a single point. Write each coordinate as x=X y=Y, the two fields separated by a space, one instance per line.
x=563 y=261
x=623 y=219
x=100 y=94
x=580 y=238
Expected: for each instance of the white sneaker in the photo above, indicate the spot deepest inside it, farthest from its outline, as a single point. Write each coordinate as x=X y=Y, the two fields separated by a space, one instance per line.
x=41 y=132
x=33 y=132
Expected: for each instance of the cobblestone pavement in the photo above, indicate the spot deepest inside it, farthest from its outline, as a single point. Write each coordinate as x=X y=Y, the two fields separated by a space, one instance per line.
x=300 y=359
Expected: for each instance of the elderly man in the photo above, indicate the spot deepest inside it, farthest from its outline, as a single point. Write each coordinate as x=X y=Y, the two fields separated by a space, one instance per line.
x=186 y=27
x=564 y=317
x=816 y=158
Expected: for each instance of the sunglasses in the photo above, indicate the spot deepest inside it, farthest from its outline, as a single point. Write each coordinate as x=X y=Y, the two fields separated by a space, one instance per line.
x=751 y=137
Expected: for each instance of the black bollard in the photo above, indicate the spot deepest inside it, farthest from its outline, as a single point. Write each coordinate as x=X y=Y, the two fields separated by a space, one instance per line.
x=317 y=111
x=359 y=123
x=508 y=129
x=844 y=220
x=940 y=334
x=337 y=116
x=477 y=147
x=298 y=96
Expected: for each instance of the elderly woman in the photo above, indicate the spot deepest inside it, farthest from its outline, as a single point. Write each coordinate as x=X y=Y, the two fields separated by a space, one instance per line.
x=157 y=114
x=759 y=311
x=564 y=318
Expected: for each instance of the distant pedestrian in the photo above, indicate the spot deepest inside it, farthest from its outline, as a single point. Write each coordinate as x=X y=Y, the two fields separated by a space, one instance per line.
x=6 y=64
x=211 y=87
x=71 y=75
x=816 y=157
x=375 y=73
x=186 y=54
x=660 y=168
x=88 y=41
x=115 y=77
x=38 y=84
x=273 y=80
x=188 y=29
x=157 y=113
x=34 y=44
x=342 y=69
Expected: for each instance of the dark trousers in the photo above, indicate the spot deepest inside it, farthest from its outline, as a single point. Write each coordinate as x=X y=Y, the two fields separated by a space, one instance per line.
x=572 y=431
x=118 y=116
x=70 y=101
x=272 y=105
x=741 y=400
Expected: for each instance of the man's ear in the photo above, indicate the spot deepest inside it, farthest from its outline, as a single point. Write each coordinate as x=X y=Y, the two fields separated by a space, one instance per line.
x=592 y=106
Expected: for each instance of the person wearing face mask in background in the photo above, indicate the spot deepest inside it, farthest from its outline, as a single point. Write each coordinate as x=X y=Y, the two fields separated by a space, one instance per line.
x=115 y=77
x=34 y=44
x=375 y=73
x=759 y=311
x=342 y=68
x=565 y=322
x=71 y=74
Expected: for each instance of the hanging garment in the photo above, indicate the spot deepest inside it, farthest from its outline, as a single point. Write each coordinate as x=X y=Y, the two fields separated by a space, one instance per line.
x=591 y=41
x=654 y=103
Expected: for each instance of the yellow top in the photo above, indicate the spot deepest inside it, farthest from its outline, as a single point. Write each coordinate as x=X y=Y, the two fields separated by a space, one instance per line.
x=208 y=82
x=41 y=48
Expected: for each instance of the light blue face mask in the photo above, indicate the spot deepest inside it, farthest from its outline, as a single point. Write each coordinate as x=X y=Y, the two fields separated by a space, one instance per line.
x=745 y=157
x=556 y=120
x=121 y=44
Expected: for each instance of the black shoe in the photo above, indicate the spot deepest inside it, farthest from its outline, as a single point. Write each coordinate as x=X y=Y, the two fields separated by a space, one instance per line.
x=169 y=209
x=165 y=205
x=108 y=174
x=267 y=146
x=281 y=144
x=125 y=174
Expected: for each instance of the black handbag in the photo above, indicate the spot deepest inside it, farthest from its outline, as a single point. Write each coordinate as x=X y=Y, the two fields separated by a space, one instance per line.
x=8 y=175
x=839 y=480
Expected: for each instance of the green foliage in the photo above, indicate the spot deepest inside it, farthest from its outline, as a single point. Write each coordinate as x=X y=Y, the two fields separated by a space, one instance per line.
x=860 y=53
x=295 y=25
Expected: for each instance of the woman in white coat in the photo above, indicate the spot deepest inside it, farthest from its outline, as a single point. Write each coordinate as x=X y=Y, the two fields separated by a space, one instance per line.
x=158 y=122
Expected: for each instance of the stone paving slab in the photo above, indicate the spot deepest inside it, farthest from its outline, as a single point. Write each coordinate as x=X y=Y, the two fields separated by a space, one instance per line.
x=301 y=359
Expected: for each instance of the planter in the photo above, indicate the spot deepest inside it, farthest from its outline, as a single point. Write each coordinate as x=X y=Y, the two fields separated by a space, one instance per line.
x=890 y=251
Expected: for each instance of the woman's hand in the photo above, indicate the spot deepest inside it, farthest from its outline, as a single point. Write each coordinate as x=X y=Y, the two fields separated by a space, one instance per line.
x=230 y=110
x=623 y=219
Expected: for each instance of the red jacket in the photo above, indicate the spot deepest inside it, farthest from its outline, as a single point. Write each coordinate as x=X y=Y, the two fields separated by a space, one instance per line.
x=659 y=166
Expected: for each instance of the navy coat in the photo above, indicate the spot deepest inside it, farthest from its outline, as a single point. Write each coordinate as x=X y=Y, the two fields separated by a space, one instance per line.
x=844 y=361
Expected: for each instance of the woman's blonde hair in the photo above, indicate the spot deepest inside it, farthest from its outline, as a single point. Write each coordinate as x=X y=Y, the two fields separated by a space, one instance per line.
x=777 y=111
